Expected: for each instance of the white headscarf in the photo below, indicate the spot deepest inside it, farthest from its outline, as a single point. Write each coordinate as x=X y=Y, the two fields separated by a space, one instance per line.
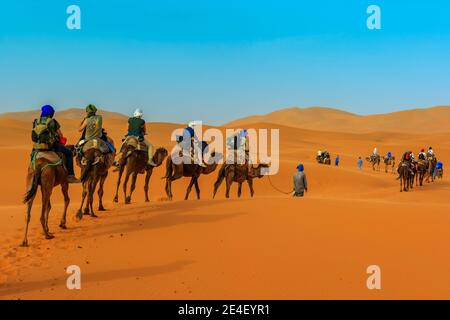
x=138 y=113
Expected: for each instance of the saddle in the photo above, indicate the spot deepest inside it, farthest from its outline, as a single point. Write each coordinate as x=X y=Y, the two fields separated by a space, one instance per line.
x=54 y=159
x=136 y=143
x=98 y=144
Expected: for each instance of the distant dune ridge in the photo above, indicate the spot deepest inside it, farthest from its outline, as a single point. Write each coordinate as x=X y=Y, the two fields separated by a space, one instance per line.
x=433 y=120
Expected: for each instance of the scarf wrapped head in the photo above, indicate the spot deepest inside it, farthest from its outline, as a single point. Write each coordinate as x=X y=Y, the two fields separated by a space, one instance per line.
x=300 y=167
x=91 y=110
x=47 y=111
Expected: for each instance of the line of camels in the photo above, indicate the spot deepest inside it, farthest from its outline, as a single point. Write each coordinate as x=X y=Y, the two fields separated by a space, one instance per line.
x=409 y=172
x=95 y=166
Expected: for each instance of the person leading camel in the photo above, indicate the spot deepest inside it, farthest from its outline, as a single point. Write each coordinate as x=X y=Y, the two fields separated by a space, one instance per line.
x=54 y=140
x=300 y=182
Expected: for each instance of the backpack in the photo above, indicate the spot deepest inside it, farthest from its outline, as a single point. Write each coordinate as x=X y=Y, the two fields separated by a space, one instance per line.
x=41 y=135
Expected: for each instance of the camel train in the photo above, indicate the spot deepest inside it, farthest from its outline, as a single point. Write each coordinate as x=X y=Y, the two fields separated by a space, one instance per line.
x=95 y=153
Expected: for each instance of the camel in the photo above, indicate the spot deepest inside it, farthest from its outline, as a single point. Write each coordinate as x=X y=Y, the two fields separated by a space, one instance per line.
x=375 y=161
x=432 y=162
x=324 y=160
x=389 y=162
x=422 y=171
x=404 y=171
x=135 y=162
x=48 y=175
x=94 y=170
x=238 y=173
x=192 y=170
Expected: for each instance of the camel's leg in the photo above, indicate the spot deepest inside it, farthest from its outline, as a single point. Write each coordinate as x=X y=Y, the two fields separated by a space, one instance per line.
x=125 y=183
x=116 y=196
x=92 y=187
x=86 y=211
x=28 y=218
x=197 y=188
x=170 y=188
x=239 y=189
x=65 y=191
x=46 y=206
x=189 y=188
x=217 y=185
x=167 y=188
x=146 y=185
x=229 y=181
x=133 y=186
x=250 y=185
x=83 y=197
x=101 y=192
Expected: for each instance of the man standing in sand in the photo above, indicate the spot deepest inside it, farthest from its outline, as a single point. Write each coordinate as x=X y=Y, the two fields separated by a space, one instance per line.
x=300 y=182
x=360 y=163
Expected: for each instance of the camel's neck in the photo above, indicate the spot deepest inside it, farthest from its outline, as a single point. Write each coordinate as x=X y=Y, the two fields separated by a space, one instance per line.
x=158 y=158
x=209 y=168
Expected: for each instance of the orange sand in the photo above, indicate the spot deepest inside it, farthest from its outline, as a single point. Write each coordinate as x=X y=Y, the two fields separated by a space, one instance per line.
x=268 y=247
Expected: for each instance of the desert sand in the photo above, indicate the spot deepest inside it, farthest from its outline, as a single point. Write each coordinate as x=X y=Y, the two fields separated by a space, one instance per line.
x=271 y=246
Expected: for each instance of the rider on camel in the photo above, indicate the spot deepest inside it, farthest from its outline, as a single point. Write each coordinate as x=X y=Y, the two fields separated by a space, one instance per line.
x=55 y=140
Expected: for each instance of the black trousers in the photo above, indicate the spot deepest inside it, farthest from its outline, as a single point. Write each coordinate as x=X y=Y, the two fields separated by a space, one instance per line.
x=67 y=155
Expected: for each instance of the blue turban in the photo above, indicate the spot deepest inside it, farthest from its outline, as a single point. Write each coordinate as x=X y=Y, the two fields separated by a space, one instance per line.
x=47 y=111
x=300 y=167
x=243 y=133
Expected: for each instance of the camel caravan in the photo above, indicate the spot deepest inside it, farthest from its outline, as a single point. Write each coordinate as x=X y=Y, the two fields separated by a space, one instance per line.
x=410 y=170
x=375 y=160
x=426 y=168
x=52 y=163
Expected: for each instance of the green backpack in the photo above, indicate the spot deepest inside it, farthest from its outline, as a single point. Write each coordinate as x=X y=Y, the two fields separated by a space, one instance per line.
x=41 y=135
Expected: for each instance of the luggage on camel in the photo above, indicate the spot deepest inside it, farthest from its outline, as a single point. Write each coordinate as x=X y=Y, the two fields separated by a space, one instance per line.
x=42 y=135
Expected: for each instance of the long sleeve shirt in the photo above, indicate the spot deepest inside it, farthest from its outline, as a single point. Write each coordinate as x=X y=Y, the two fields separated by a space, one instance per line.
x=300 y=182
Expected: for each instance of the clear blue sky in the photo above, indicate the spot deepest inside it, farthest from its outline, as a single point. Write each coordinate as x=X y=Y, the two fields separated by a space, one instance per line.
x=217 y=60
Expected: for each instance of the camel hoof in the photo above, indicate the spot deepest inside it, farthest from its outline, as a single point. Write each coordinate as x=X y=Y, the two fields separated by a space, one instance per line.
x=63 y=226
x=127 y=200
x=101 y=208
x=79 y=214
x=146 y=200
x=49 y=236
x=24 y=244
x=116 y=199
x=93 y=215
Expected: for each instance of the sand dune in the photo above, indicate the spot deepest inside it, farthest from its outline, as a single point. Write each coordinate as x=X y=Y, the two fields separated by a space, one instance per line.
x=267 y=247
x=433 y=120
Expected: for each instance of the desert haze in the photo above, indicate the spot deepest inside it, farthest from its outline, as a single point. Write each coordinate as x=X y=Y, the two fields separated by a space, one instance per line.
x=271 y=246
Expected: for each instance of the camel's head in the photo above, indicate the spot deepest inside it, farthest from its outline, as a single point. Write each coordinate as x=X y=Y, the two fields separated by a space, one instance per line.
x=258 y=170
x=160 y=154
